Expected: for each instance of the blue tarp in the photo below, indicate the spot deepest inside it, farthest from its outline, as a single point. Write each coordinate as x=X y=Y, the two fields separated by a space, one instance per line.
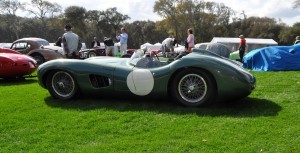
x=273 y=58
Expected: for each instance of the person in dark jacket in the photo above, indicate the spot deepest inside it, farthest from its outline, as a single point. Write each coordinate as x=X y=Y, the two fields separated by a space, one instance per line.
x=109 y=46
x=242 y=47
x=95 y=43
x=58 y=42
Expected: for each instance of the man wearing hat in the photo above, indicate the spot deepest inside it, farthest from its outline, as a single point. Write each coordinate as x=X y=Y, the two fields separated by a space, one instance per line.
x=71 y=42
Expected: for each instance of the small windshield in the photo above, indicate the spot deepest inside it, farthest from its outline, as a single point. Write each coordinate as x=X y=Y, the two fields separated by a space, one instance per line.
x=140 y=60
x=136 y=56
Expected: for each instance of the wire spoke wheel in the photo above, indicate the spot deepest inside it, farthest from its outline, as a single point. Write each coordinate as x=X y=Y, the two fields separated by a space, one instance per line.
x=192 y=88
x=63 y=84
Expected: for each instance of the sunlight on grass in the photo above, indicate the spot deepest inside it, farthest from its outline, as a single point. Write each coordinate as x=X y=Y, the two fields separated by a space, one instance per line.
x=266 y=121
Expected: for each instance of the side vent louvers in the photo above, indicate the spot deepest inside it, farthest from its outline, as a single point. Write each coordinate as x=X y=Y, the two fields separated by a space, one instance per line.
x=100 y=81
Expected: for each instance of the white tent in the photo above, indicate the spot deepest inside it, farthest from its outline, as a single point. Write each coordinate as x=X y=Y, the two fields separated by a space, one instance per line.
x=252 y=43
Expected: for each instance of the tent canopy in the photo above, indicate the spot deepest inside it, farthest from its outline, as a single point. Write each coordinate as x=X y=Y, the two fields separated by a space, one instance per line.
x=252 y=43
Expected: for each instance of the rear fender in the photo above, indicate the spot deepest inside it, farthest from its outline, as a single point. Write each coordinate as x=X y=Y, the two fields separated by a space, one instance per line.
x=47 y=54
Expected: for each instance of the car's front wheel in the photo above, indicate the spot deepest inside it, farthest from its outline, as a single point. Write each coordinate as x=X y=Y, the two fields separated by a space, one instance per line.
x=62 y=85
x=193 y=87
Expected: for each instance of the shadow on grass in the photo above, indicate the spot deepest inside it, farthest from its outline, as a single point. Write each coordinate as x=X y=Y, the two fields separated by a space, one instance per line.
x=248 y=107
x=17 y=81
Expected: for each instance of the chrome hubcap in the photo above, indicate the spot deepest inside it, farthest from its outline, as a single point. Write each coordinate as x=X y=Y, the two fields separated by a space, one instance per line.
x=192 y=88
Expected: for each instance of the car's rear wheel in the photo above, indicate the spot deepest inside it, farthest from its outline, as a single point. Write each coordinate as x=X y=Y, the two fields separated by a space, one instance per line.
x=92 y=54
x=62 y=85
x=193 y=87
x=38 y=58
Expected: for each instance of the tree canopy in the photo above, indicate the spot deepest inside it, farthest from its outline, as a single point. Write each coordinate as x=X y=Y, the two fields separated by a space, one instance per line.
x=207 y=19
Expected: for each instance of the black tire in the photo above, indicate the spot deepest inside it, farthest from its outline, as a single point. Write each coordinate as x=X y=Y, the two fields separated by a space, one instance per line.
x=193 y=87
x=38 y=58
x=92 y=54
x=62 y=85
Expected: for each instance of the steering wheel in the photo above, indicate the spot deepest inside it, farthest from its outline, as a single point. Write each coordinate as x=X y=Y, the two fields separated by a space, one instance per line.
x=154 y=55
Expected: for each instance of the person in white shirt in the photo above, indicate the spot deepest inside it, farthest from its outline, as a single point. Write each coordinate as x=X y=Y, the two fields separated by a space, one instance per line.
x=123 y=40
x=71 y=42
x=190 y=40
x=167 y=45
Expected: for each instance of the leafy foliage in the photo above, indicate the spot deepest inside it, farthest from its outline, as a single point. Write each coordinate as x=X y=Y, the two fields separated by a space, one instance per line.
x=208 y=20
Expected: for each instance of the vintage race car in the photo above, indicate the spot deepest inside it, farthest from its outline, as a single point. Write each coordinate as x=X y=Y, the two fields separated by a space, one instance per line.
x=37 y=48
x=13 y=64
x=198 y=78
x=87 y=53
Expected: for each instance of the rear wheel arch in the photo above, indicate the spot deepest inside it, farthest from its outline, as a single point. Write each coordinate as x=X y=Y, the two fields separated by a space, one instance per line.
x=38 y=57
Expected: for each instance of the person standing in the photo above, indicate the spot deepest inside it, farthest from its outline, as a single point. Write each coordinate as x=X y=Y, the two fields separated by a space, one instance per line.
x=109 y=46
x=242 y=47
x=95 y=43
x=297 y=40
x=71 y=42
x=123 y=40
x=58 y=42
x=167 y=45
x=190 y=40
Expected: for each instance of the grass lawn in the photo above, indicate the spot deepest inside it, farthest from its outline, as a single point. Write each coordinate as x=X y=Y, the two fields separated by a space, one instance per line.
x=267 y=121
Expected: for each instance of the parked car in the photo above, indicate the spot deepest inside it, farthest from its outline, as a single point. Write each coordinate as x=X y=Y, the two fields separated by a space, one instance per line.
x=87 y=53
x=195 y=79
x=14 y=64
x=37 y=48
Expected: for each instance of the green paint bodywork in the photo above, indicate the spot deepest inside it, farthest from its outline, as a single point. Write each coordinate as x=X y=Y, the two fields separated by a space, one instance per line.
x=232 y=81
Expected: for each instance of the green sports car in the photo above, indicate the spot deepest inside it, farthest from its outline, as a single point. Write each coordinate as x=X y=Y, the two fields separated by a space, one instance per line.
x=196 y=79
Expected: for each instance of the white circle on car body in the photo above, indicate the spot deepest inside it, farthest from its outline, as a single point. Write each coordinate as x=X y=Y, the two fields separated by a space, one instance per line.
x=140 y=82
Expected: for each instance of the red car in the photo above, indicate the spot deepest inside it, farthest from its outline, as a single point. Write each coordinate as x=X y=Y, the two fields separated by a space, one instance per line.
x=13 y=64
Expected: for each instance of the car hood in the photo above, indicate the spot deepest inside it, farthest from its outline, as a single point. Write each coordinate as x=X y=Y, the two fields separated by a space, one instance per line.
x=17 y=57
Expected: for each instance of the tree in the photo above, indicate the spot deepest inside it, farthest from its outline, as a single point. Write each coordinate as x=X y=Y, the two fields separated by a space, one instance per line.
x=43 y=9
x=10 y=8
x=76 y=16
x=296 y=4
x=92 y=18
x=104 y=23
x=113 y=19
x=167 y=10
x=142 y=32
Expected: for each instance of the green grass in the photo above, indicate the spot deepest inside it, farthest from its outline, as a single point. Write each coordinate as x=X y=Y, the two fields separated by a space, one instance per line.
x=267 y=121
